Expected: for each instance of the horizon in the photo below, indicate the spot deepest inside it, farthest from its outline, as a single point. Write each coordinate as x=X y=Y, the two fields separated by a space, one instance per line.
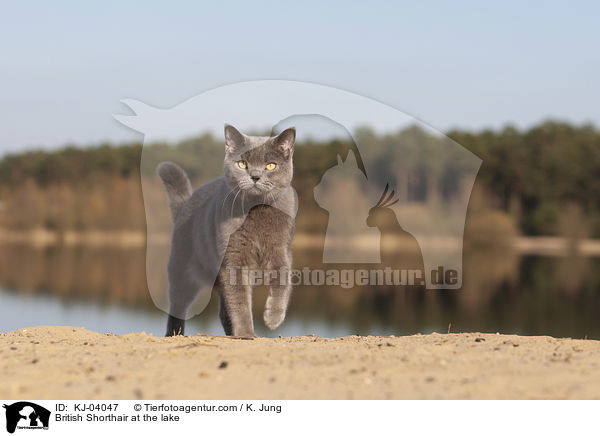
x=305 y=141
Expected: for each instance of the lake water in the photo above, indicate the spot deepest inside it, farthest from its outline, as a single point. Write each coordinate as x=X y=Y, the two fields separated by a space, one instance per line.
x=20 y=311
x=104 y=290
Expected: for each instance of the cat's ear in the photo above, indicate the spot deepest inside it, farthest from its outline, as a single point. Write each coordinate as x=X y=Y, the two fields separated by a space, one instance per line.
x=234 y=139
x=351 y=160
x=285 y=141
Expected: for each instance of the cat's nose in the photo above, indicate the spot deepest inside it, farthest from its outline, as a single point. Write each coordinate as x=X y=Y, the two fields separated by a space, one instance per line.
x=255 y=178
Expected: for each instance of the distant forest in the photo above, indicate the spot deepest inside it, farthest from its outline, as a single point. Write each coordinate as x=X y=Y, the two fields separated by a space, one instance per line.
x=544 y=180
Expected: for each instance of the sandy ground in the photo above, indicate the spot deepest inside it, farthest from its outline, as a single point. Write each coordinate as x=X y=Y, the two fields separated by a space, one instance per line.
x=74 y=363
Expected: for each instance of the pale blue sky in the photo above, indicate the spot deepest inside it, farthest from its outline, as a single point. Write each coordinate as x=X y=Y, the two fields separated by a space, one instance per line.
x=64 y=66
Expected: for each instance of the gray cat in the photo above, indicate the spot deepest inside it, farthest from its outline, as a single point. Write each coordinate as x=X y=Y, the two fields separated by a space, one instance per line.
x=244 y=219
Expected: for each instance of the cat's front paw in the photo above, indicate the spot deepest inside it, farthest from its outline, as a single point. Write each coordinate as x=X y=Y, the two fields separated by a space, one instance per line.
x=244 y=334
x=273 y=318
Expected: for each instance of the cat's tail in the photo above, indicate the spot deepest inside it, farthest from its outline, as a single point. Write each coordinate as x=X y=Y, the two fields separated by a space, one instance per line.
x=177 y=184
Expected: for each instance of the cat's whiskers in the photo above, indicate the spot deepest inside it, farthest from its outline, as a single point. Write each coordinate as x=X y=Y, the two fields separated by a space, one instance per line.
x=234 y=199
x=225 y=199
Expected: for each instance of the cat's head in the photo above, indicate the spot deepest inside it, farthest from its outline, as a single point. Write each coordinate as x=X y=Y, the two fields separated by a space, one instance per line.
x=258 y=165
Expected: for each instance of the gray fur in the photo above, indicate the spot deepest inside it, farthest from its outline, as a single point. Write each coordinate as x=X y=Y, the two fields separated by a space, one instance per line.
x=177 y=185
x=233 y=222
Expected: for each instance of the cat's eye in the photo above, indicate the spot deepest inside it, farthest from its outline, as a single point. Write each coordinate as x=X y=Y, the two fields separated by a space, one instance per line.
x=242 y=164
x=271 y=166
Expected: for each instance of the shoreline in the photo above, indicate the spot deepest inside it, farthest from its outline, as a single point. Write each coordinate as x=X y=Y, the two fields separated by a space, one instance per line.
x=50 y=362
x=523 y=245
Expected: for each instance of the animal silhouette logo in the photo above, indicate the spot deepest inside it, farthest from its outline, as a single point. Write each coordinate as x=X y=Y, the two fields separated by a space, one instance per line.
x=432 y=176
x=398 y=247
x=360 y=233
x=342 y=193
x=26 y=415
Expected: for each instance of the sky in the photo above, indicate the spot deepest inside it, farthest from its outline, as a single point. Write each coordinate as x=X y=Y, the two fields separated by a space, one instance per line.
x=65 y=65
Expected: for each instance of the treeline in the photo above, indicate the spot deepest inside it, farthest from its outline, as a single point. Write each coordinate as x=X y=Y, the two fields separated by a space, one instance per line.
x=96 y=188
x=545 y=179
x=71 y=165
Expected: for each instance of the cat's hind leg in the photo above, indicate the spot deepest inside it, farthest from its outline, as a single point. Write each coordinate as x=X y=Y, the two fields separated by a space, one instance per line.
x=175 y=326
x=183 y=290
x=223 y=314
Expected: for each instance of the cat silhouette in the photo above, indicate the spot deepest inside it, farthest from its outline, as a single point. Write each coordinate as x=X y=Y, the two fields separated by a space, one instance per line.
x=343 y=193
